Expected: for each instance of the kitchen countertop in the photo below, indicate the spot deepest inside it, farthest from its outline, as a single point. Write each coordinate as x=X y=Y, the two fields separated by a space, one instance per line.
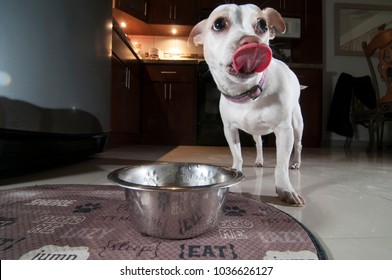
x=305 y=65
x=171 y=61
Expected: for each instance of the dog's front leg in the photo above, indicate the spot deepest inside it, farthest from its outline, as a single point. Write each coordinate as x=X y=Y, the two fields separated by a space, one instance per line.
x=298 y=126
x=233 y=139
x=284 y=189
x=259 y=150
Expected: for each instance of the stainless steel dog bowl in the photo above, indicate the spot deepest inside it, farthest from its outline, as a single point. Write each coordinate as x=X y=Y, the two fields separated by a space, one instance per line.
x=175 y=200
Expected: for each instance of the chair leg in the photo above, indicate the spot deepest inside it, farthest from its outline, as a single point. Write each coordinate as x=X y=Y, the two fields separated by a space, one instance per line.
x=371 y=135
x=347 y=143
x=380 y=134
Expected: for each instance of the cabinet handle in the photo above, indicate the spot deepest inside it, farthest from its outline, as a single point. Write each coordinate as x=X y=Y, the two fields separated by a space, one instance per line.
x=175 y=12
x=170 y=12
x=129 y=78
x=168 y=72
x=126 y=77
x=170 y=93
x=165 y=93
x=145 y=9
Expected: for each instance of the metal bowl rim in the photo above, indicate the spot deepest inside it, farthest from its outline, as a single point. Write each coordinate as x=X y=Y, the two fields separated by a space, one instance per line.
x=114 y=177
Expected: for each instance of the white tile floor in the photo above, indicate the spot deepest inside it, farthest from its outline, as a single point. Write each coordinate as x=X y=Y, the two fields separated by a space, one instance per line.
x=348 y=195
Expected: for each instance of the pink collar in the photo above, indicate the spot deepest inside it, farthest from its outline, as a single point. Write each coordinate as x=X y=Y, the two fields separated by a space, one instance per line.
x=248 y=95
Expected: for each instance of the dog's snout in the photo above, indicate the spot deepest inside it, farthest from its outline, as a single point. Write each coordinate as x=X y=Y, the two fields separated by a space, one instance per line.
x=248 y=40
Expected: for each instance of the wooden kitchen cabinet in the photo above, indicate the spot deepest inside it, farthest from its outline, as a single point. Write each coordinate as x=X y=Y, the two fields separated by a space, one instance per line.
x=310 y=101
x=210 y=4
x=125 y=92
x=136 y=8
x=169 y=105
x=172 y=12
x=310 y=48
x=285 y=7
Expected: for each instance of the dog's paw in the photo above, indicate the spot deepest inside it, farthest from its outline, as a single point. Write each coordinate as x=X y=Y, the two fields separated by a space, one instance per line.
x=295 y=165
x=290 y=197
x=239 y=169
x=258 y=164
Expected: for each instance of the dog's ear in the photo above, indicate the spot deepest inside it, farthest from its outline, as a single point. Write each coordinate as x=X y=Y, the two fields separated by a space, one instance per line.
x=274 y=20
x=196 y=36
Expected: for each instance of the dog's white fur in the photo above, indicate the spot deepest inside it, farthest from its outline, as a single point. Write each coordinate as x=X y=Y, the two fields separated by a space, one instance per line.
x=275 y=110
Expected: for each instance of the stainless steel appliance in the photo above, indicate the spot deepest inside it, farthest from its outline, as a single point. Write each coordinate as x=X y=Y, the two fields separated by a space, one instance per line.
x=54 y=80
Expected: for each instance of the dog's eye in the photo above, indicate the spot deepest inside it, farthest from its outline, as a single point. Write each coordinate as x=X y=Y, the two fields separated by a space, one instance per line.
x=219 y=24
x=262 y=25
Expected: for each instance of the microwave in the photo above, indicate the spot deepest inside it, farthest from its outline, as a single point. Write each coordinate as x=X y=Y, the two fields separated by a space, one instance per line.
x=293 y=28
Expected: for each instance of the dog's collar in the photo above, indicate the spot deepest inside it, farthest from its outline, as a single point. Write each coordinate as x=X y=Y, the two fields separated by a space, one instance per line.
x=248 y=95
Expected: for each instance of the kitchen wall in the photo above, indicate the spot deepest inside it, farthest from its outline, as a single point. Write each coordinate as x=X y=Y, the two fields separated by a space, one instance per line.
x=334 y=65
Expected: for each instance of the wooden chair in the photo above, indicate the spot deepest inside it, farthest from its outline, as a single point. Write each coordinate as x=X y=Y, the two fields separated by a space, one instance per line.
x=381 y=43
x=363 y=106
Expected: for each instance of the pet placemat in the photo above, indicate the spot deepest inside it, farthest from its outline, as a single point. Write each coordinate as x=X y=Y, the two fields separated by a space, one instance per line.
x=67 y=222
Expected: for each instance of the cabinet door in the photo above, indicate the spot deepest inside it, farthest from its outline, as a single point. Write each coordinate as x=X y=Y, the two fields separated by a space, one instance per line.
x=285 y=7
x=310 y=49
x=184 y=12
x=137 y=8
x=160 y=11
x=182 y=119
x=155 y=114
x=125 y=103
x=169 y=113
x=293 y=6
x=210 y=4
x=172 y=11
x=119 y=90
x=310 y=102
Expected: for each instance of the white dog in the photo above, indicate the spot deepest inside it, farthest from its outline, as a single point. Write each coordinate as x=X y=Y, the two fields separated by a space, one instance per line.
x=260 y=95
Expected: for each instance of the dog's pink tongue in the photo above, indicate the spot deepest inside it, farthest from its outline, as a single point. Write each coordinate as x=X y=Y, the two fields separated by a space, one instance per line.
x=252 y=57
